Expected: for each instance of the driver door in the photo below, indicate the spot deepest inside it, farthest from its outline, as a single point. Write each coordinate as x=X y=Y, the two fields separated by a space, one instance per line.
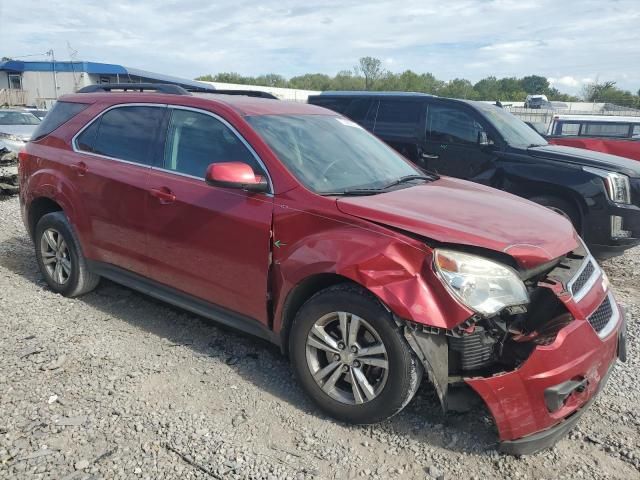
x=209 y=242
x=451 y=145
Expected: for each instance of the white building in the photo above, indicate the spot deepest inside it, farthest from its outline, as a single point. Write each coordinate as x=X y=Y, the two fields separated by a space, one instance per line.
x=41 y=83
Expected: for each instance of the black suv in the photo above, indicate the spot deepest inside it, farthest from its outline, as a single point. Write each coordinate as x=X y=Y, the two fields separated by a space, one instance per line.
x=478 y=141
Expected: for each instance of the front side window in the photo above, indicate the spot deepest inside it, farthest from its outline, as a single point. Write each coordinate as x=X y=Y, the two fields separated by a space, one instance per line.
x=330 y=154
x=195 y=140
x=452 y=125
x=606 y=129
x=124 y=133
x=636 y=131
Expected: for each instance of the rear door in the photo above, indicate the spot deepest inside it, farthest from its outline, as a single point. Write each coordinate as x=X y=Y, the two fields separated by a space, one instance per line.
x=111 y=163
x=209 y=242
x=399 y=122
x=451 y=141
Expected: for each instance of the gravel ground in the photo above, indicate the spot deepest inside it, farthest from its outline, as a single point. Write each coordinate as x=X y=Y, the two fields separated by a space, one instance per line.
x=117 y=385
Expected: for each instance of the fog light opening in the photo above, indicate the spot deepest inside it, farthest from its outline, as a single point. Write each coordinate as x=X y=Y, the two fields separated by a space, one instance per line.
x=617 y=228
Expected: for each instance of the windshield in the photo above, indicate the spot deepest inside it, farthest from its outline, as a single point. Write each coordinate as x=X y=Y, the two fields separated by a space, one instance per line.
x=18 y=118
x=331 y=154
x=513 y=130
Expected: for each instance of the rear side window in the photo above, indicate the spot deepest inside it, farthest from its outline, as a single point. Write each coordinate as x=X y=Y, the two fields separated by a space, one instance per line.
x=606 y=129
x=398 y=118
x=61 y=113
x=568 y=129
x=336 y=104
x=124 y=133
x=636 y=131
x=358 y=108
x=196 y=140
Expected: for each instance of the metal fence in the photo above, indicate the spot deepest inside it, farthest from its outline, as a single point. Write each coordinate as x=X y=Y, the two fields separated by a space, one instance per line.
x=13 y=97
x=544 y=116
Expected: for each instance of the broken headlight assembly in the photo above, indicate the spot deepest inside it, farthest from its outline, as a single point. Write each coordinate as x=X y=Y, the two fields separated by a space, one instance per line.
x=485 y=286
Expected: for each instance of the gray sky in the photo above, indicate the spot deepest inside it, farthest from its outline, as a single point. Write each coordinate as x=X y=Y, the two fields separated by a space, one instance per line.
x=569 y=41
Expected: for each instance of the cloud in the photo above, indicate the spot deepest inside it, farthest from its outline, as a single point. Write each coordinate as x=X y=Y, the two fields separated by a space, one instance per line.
x=473 y=39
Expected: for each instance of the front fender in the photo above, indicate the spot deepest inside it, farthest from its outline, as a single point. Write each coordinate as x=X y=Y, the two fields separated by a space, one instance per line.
x=394 y=267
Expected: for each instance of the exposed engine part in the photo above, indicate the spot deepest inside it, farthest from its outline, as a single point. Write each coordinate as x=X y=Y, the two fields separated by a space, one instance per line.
x=475 y=350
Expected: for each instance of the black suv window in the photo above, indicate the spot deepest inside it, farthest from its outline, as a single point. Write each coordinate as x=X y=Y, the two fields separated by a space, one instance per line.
x=195 y=140
x=398 y=118
x=336 y=104
x=358 y=108
x=451 y=125
x=61 y=113
x=124 y=133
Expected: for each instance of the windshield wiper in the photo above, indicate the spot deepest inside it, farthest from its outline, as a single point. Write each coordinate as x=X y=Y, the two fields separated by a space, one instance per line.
x=354 y=192
x=409 y=178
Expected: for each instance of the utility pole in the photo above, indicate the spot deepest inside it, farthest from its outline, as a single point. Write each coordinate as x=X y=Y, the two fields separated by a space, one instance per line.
x=55 y=76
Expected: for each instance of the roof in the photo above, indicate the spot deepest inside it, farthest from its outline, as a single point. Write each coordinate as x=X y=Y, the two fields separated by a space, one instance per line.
x=357 y=93
x=94 y=68
x=243 y=105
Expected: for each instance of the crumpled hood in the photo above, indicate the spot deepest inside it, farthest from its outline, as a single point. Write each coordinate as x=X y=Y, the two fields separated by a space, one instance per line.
x=460 y=212
x=24 y=132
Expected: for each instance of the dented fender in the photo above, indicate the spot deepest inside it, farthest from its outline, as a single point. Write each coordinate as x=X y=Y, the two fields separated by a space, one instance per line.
x=392 y=266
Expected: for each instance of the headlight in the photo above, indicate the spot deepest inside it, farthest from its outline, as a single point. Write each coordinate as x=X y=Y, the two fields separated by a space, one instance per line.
x=617 y=184
x=482 y=285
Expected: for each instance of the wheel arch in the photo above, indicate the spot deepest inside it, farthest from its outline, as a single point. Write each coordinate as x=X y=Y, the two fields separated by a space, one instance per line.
x=38 y=208
x=302 y=292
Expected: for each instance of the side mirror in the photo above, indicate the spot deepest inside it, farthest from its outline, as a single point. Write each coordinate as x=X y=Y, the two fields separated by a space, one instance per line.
x=235 y=175
x=483 y=139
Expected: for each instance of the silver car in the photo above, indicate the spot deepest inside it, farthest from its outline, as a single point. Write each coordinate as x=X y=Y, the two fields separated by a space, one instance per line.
x=16 y=128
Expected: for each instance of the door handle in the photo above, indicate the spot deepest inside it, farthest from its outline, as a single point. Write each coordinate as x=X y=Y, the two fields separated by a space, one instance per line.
x=163 y=194
x=428 y=156
x=80 y=168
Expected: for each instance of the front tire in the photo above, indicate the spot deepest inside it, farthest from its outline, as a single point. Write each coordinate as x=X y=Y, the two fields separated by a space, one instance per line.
x=60 y=258
x=350 y=356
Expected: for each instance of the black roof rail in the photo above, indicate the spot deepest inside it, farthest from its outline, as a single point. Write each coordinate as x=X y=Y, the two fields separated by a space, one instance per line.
x=137 y=87
x=248 y=93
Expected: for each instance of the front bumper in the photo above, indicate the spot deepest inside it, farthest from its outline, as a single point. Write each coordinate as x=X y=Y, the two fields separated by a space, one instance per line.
x=602 y=241
x=517 y=399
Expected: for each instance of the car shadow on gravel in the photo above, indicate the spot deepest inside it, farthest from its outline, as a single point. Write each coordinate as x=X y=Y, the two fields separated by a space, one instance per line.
x=258 y=361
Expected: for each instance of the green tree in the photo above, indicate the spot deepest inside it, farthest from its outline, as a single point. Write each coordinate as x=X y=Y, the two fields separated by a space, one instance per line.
x=371 y=70
x=535 y=85
x=311 y=81
x=459 y=88
x=347 y=80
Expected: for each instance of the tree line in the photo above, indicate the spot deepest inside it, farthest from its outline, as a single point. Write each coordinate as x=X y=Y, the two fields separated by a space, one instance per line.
x=369 y=74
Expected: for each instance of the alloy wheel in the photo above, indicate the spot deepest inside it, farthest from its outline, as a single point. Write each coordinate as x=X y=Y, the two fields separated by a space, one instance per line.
x=347 y=358
x=55 y=256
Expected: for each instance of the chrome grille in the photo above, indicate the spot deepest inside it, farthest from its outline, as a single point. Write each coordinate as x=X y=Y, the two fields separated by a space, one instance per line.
x=583 y=278
x=600 y=318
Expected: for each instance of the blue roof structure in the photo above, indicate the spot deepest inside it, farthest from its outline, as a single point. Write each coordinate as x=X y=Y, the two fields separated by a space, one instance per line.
x=18 y=66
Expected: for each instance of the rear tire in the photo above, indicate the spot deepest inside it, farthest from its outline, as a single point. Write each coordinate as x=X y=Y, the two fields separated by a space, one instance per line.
x=60 y=258
x=363 y=376
x=561 y=206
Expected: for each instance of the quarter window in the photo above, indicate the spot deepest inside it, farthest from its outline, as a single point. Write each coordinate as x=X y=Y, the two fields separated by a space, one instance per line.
x=451 y=125
x=196 y=140
x=124 y=133
x=636 y=131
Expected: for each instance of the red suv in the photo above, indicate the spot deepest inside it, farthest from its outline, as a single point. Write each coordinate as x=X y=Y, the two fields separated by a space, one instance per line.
x=292 y=223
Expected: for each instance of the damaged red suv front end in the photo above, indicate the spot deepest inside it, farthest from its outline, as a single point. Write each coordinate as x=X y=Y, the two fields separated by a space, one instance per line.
x=569 y=362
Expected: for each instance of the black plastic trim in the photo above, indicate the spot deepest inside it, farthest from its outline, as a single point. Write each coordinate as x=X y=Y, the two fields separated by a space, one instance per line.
x=183 y=300
x=136 y=87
